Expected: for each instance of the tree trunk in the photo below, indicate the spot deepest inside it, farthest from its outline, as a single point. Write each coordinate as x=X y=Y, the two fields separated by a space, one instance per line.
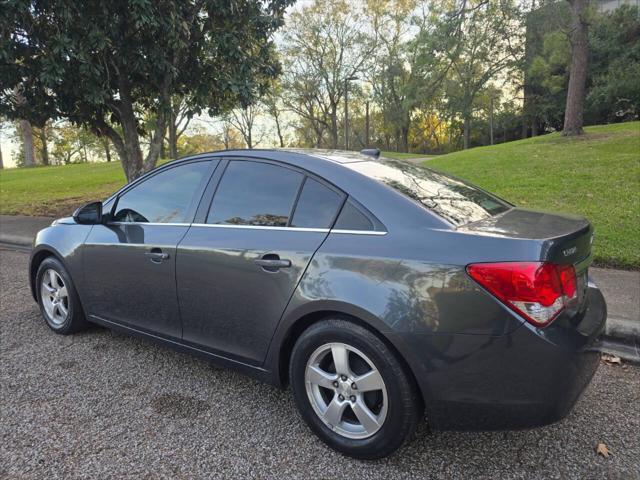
x=573 y=116
x=107 y=150
x=27 y=143
x=366 y=125
x=1 y=161
x=276 y=117
x=45 y=148
x=173 y=136
x=467 y=131
x=334 y=126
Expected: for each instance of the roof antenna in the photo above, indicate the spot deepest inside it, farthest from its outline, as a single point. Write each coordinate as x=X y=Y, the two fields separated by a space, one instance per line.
x=371 y=152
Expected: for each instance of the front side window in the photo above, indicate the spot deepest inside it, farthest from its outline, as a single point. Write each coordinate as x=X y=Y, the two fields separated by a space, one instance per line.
x=452 y=199
x=165 y=197
x=255 y=193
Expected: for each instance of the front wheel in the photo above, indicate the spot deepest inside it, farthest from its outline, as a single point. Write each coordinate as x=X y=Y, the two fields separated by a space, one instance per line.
x=352 y=390
x=58 y=299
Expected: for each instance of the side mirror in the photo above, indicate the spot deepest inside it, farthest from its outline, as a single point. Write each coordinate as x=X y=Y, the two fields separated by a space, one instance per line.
x=90 y=214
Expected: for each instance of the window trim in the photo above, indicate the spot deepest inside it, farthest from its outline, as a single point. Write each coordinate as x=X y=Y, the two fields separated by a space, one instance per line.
x=191 y=209
x=212 y=190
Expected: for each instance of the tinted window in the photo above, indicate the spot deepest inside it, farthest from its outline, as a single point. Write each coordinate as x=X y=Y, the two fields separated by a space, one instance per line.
x=253 y=193
x=317 y=206
x=452 y=199
x=163 y=198
x=351 y=218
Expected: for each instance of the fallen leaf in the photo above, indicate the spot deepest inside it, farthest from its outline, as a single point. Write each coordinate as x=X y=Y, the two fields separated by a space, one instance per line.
x=611 y=359
x=602 y=449
x=590 y=195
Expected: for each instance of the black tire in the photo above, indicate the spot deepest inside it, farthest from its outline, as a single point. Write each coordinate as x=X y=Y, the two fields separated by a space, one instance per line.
x=75 y=320
x=404 y=409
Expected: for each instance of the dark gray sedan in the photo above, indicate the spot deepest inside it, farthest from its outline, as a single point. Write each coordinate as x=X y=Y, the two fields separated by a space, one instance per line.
x=375 y=288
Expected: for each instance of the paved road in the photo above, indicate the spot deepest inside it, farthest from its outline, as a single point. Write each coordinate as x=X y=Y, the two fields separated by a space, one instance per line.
x=101 y=404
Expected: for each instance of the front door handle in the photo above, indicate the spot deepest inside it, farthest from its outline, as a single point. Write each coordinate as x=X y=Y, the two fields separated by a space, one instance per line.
x=272 y=262
x=156 y=255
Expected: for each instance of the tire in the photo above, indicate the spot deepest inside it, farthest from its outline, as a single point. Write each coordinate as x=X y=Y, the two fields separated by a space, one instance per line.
x=319 y=388
x=56 y=295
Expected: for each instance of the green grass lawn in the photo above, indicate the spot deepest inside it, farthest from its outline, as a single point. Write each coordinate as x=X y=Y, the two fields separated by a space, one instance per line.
x=597 y=175
x=57 y=191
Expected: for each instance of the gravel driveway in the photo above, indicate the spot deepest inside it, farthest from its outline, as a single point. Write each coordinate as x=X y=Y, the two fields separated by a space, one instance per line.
x=100 y=405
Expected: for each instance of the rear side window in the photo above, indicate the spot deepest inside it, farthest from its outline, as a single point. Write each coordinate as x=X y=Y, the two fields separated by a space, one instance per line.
x=165 y=197
x=452 y=199
x=317 y=206
x=352 y=218
x=255 y=193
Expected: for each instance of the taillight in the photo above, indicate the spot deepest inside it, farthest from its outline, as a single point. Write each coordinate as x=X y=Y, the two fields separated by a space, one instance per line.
x=538 y=291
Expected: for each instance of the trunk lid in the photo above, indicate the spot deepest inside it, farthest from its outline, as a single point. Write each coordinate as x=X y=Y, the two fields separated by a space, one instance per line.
x=564 y=239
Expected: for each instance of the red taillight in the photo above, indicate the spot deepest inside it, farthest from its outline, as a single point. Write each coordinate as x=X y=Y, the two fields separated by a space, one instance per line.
x=538 y=291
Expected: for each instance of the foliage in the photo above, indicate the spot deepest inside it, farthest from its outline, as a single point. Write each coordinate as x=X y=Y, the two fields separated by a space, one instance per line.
x=613 y=89
x=324 y=46
x=549 y=74
x=106 y=64
x=614 y=67
x=544 y=173
x=198 y=141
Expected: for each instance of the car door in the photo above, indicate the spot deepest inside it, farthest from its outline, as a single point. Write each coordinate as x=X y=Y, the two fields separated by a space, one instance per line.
x=129 y=262
x=237 y=268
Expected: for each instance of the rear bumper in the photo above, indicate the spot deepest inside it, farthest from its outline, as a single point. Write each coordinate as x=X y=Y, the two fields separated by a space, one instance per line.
x=529 y=378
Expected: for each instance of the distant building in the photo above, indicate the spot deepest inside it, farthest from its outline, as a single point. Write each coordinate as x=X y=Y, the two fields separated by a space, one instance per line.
x=609 y=5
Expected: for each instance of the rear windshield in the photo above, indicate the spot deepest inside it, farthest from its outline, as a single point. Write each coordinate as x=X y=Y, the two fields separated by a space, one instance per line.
x=452 y=199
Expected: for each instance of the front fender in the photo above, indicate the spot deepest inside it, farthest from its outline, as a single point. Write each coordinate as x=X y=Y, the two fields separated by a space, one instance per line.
x=63 y=241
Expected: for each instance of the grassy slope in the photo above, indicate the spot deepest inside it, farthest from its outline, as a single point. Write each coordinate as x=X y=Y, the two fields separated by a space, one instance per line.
x=597 y=176
x=57 y=190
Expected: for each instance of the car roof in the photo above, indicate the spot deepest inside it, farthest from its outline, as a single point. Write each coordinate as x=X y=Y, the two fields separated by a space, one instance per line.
x=336 y=156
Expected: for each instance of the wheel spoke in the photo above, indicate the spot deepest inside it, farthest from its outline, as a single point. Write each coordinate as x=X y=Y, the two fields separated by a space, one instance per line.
x=62 y=309
x=53 y=279
x=62 y=293
x=48 y=288
x=370 y=381
x=319 y=377
x=333 y=413
x=366 y=417
x=341 y=359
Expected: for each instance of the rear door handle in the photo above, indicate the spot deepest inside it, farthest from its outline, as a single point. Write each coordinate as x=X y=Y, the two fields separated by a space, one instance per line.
x=272 y=262
x=156 y=255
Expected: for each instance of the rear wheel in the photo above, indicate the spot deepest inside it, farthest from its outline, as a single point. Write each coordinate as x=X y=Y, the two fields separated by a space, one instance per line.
x=58 y=299
x=352 y=390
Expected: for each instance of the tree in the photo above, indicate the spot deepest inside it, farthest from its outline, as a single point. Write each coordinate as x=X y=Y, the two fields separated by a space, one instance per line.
x=42 y=136
x=393 y=67
x=244 y=120
x=179 y=118
x=28 y=151
x=481 y=41
x=324 y=45
x=577 y=90
x=273 y=104
x=105 y=65
x=613 y=89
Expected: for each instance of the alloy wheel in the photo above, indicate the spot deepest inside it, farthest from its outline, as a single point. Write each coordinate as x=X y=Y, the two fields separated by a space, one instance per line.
x=55 y=297
x=346 y=390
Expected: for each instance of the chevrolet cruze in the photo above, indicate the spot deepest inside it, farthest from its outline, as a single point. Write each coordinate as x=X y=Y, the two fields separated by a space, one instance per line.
x=378 y=290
